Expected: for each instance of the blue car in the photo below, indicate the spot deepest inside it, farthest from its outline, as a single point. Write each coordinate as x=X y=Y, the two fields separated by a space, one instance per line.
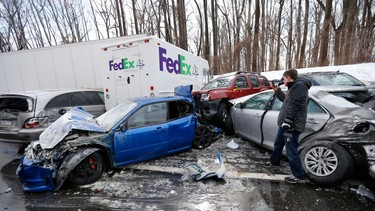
x=78 y=148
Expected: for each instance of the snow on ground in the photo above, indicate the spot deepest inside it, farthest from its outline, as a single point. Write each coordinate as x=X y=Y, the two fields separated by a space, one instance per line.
x=167 y=180
x=364 y=72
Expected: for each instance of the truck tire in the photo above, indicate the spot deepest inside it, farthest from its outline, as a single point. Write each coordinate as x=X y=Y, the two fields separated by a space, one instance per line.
x=327 y=163
x=222 y=114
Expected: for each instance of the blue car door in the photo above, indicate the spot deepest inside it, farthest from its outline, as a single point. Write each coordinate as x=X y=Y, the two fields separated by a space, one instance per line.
x=182 y=124
x=144 y=136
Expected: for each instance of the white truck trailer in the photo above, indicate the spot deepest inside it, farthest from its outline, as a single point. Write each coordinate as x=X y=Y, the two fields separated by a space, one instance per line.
x=148 y=66
x=77 y=65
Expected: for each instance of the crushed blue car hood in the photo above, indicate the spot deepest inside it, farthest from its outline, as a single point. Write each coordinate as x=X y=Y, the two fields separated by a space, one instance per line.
x=74 y=119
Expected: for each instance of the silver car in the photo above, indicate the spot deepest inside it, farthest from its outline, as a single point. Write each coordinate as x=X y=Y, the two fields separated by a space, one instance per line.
x=338 y=134
x=24 y=116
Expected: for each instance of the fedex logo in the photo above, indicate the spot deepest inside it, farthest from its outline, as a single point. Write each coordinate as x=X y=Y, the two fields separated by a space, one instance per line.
x=123 y=65
x=178 y=66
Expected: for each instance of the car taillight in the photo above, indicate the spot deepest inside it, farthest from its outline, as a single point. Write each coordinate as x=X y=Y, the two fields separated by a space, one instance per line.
x=34 y=122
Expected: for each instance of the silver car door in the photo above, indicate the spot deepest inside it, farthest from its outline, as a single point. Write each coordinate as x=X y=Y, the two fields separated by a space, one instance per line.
x=316 y=118
x=248 y=116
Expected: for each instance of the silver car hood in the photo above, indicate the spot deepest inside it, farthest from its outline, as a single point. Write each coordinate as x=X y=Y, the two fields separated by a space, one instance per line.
x=74 y=119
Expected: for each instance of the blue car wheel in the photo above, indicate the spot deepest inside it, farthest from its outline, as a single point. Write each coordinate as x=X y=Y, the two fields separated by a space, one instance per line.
x=203 y=137
x=88 y=171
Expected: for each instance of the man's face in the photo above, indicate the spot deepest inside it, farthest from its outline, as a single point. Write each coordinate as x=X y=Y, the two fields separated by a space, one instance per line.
x=286 y=80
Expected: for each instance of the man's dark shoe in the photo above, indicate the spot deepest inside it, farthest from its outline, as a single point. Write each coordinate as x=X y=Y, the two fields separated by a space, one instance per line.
x=269 y=164
x=294 y=180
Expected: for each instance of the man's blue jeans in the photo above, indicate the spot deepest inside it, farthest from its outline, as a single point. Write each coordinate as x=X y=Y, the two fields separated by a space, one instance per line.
x=294 y=159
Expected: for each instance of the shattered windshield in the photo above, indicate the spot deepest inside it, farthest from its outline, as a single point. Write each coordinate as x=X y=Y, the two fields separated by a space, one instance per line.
x=114 y=115
x=336 y=79
x=218 y=83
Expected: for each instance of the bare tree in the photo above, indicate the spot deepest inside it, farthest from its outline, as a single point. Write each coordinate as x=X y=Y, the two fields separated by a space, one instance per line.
x=278 y=45
x=181 y=16
x=304 y=39
x=255 y=66
x=323 y=58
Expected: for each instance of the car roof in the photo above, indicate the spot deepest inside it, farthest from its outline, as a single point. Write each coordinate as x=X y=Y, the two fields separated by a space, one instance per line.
x=322 y=72
x=44 y=96
x=47 y=92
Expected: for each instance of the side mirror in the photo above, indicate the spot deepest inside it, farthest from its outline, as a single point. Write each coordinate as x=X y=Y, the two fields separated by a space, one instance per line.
x=124 y=127
x=239 y=105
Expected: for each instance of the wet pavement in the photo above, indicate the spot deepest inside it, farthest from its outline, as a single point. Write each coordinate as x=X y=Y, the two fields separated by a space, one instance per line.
x=166 y=184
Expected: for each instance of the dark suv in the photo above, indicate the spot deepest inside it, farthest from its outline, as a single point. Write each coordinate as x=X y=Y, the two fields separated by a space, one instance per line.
x=212 y=99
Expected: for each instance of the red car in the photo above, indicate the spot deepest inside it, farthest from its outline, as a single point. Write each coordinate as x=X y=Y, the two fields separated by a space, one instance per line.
x=212 y=100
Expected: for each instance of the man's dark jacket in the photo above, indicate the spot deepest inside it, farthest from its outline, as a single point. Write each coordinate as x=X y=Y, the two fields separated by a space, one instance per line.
x=294 y=108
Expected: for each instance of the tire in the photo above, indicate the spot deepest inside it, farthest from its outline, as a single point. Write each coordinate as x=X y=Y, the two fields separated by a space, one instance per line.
x=203 y=137
x=87 y=171
x=222 y=116
x=327 y=163
x=229 y=129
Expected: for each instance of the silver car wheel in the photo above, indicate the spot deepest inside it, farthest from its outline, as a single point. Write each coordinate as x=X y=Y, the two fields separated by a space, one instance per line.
x=321 y=161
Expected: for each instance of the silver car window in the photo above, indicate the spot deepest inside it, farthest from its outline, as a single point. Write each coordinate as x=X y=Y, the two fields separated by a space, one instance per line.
x=258 y=102
x=86 y=98
x=312 y=106
x=64 y=100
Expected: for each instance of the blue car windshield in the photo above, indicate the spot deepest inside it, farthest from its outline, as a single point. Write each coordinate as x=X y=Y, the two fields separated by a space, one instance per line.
x=110 y=118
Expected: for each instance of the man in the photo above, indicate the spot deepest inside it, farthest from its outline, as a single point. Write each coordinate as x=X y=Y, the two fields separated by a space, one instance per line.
x=291 y=121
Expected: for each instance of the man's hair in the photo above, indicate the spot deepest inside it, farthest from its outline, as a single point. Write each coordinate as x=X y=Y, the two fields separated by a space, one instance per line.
x=292 y=73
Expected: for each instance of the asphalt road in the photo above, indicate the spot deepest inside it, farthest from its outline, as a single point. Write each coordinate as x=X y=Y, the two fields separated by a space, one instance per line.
x=166 y=184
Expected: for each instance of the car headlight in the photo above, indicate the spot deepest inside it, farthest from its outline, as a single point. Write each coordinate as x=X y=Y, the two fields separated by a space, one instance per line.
x=205 y=97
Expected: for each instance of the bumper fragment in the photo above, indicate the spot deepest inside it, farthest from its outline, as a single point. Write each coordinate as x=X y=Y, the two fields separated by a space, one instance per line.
x=35 y=178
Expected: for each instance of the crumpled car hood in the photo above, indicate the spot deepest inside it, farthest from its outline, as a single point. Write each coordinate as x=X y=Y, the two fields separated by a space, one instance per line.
x=74 y=119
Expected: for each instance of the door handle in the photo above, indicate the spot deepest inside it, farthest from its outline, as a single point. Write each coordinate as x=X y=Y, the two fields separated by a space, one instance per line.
x=257 y=116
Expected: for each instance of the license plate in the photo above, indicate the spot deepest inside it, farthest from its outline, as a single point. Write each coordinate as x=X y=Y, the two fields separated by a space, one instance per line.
x=5 y=122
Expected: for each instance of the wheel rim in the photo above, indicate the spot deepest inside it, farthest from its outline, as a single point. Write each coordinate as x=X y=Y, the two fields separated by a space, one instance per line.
x=224 y=114
x=202 y=137
x=87 y=170
x=321 y=161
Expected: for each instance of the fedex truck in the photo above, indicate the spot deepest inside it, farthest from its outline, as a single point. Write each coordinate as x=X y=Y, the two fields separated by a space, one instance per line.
x=148 y=66
x=68 y=66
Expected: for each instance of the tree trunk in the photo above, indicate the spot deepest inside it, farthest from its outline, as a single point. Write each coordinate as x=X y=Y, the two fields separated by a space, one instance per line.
x=206 y=33
x=182 y=24
x=135 y=17
x=278 y=45
x=323 y=59
x=298 y=33
x=255 y=66
x=214 y=35
x=302 y=58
